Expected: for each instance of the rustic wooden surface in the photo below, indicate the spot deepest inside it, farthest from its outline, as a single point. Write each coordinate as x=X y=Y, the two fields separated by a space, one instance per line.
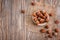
x=15 y=25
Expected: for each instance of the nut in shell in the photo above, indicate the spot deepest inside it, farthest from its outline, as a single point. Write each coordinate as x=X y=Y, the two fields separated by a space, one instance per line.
x=40 y=15
x=56 y=30
x=37 y=22
x=47 y=19
x=50 y=35
x=56 y=21
x=51 y=14
x=33 y=3
x=41 y=20
x=22 y=11
x=46 y=26
x=49 y=32
x=55 y=34
x=43 y=30
x=34 y=18
x=34 y=14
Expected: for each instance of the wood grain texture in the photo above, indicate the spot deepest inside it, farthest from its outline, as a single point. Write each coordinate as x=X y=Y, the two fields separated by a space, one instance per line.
x=15 y=25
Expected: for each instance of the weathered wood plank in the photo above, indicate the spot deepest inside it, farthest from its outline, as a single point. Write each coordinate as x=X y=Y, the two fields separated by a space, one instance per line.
x=6 y=19
x=17 y=20
x=0 y=5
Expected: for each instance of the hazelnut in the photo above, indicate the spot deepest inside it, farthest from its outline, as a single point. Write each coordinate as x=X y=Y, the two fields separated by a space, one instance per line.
x=32 y=3
x=22 y=11
x=37 y=22
x=44 y=11
x=43 y=30
x=45 y=14
x=47 y=19
x=51 y=14
x=35 y=18
x=56 y=30
x=34 y=14
x=55 y=34
x=46 y=26
x=50 y=35
x=37 y=13
x=42 y=20
x=39 y=18
x=49 y=32
x=56 y=22
x=43 y=17
x=41 y=12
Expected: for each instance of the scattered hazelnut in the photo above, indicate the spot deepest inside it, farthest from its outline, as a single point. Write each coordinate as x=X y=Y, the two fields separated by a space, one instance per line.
x=43 y=30
x=49 y=32
x=51 y=14
x=22 y=11
x=50 y=35
x=32 y=3
x=56 y=30
x=46 y=26
x=55 y=34
x=56 y=22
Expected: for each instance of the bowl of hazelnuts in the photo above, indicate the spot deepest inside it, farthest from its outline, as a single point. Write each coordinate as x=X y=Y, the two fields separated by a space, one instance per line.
x=40 y=17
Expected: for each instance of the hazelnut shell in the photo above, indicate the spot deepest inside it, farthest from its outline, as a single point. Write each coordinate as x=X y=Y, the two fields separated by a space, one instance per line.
x=56 y=22
x=50 y=35
x=49 y=32
x=32 y=3
x=56 y=30
x=46 y=26
x=22 y=11
x=43 y=30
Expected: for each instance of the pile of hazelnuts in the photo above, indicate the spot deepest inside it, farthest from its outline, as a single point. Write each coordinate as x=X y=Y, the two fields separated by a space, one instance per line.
x=40 y=17
x=50 y=33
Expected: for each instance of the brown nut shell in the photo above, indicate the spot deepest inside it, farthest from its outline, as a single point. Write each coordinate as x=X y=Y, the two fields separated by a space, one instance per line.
x=46 y=26
x=22 y=11
x=42 y=20
x=50 y=35
x=33 y=3
x=51 y=14
x=47 y=19
x=56 y=21
x=39 y=13
x=49 y=32
x=56 y=30
x=42 y=30
x=37 y=22
x=34 y=14
x=35 y=19
x=54 y=34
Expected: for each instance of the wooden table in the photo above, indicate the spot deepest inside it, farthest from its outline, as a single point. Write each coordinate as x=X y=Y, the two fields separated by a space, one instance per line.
x=15 y=25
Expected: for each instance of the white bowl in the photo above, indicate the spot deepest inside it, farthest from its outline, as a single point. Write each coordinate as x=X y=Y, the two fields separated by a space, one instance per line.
x=42 y=24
